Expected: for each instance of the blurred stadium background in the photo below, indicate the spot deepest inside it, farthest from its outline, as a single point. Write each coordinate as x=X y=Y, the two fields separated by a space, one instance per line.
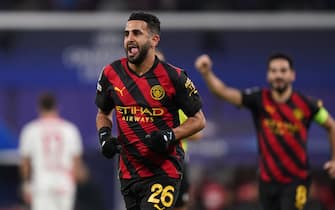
x=62 y=45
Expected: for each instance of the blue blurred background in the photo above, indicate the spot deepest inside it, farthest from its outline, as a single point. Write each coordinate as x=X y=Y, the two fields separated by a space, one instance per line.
x=68 y=62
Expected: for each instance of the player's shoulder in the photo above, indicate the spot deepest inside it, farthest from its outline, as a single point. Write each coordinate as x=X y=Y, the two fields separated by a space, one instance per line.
x=172 y=68
x=111 y=66
x=308 y=98
x=31 y=127
x=303 y=95
x=68 y=124
x=33 y=124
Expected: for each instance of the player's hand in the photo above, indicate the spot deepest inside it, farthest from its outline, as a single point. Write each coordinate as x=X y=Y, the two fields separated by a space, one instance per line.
x=203 y=64
x=26 y=192
x=108 y=144
x=160 y=140
x=330 y=167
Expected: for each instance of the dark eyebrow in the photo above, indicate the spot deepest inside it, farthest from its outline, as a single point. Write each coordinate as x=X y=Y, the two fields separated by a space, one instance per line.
x=134 y=30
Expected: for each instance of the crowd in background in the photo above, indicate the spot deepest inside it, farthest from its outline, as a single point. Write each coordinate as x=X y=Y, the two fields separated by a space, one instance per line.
x=237 y=189
x=169 y=5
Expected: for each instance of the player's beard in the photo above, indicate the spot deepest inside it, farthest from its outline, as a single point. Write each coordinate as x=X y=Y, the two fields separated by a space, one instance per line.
x=280 y=88
x=142 y=54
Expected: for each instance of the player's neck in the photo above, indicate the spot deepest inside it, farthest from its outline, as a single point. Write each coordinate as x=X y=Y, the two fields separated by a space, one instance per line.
x=145 y=66
x=49 y=114
x=282 y=97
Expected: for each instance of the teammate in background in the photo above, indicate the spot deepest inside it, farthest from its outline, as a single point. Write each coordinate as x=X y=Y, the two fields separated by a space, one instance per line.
x=146 y=94
x=50 y=149
x=183 y=196
x=282 y=117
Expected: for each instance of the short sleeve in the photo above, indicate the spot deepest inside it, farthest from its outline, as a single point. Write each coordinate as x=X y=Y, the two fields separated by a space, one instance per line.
x=103 y=98
x=25 y=142
x=251 y=98
x=314 y=105
x=187 y=96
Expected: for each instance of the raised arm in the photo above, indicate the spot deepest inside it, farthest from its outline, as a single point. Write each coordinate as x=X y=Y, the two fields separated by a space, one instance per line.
x=232 y=95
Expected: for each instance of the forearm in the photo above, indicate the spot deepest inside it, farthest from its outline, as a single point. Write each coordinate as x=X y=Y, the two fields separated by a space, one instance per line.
x=79 y=170
x=103 y=120
x=214 y=84
x=25 y=170
x=329 y=125
x=195 y=137
x=331 y=133
x=191 y=126
x=220 y=89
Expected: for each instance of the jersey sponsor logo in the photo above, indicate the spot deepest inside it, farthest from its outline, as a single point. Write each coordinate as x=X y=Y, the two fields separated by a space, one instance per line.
x=139 y=114
x=157 y=92
x=190 y=86
x=120 y=91
x=142 y=119
x=280 y=127
x=270 y=109
x=298 y=114
x=135 y=110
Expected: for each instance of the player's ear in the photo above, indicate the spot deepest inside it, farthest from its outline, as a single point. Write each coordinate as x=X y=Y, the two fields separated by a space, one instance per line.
x=267 y=76
x=293 y=75
x=155 y=40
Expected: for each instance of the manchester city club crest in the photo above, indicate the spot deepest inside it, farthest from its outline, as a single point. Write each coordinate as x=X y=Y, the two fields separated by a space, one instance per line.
x=157 y=92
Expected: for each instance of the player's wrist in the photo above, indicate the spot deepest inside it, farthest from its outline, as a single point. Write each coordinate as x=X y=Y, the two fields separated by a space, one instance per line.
x=26 y=186
x=160 y=140
x=104 y=134
x=206 y=73
x=169 y=135
x=109 y=148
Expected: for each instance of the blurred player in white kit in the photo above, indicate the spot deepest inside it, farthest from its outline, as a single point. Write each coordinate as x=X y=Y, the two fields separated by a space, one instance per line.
x=50 y=149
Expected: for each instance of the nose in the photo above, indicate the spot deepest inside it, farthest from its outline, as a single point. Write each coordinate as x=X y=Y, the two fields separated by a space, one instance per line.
x=278 y=74
x=130 y=37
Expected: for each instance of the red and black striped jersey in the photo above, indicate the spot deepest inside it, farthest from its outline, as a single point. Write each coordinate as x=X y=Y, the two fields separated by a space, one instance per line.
x=282 y=134
x=142 y=105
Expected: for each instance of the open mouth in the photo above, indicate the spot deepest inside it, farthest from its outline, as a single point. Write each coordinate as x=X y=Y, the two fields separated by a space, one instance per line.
x=132 y=50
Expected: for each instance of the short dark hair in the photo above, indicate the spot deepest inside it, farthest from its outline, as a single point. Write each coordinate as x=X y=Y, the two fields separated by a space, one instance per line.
x=47 y=102
x=281 y=56
x=153 y=22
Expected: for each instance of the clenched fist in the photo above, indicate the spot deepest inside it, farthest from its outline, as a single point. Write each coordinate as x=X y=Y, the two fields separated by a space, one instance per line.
x=203 y=64
x=330 y=168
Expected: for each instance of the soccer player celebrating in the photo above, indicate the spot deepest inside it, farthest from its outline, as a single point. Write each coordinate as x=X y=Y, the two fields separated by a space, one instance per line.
x=282 y=117
x=146 y=94
x=183 y=197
